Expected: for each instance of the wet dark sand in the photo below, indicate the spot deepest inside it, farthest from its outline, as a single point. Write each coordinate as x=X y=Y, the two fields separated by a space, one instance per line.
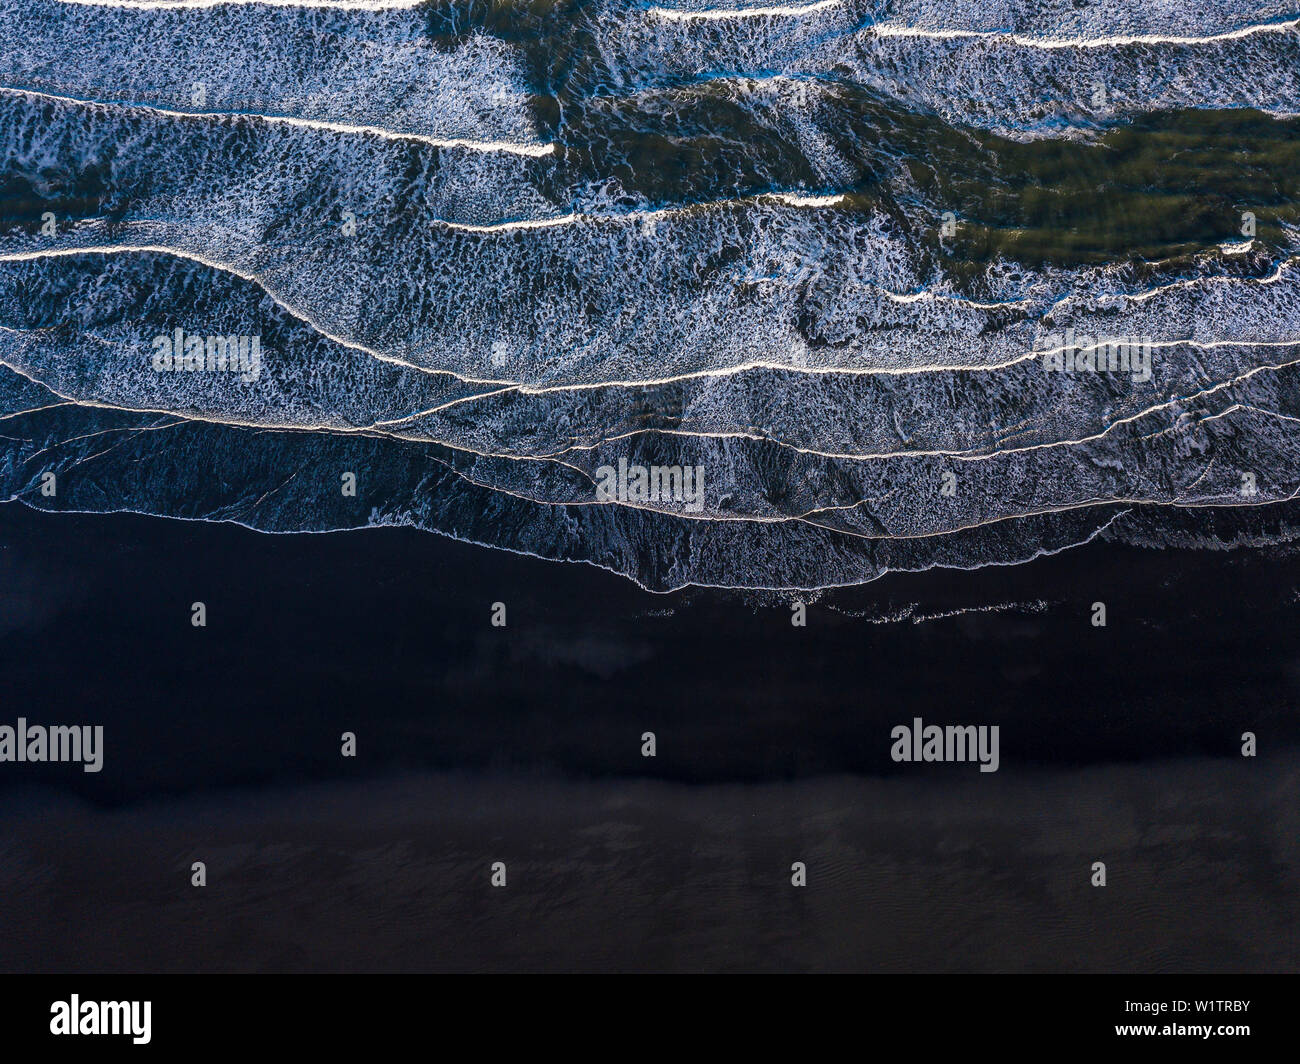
x=523 y=745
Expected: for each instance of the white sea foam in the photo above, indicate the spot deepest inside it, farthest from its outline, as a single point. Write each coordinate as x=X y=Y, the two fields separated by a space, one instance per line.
x=500 y=318
x=322 y=5
x=1030 y=19
x=533 y=150
x=1113 y=41
x=346 y=67
x=1041 y=78
x=755 y=11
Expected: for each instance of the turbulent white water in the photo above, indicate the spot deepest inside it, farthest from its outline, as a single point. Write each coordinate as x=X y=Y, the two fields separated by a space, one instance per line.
x=1033 y=69
x=486 y=258
x=355 y=65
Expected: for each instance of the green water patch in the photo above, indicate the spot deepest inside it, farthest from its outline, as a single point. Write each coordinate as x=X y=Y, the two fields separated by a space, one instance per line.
x=1156 y=188
x=1160 y=187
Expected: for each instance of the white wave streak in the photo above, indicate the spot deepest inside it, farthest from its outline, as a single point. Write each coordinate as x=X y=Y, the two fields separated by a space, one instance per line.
x=809 y=201
x=329 y=5
x=1192 y=282
x=790 y=199
x=533 y=150
x=225 y=267
x=502 y=227
x=713 y=14
x=1000 y=607
x=1085 y=42
x=934 y=297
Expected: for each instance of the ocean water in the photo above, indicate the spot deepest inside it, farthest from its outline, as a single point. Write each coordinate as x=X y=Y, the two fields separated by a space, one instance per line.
x=960 y=317
x=817 y=251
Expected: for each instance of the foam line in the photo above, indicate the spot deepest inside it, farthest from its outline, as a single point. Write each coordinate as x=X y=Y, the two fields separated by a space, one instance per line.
x=532 y=150
x=324 y=5
x=715 y=14
x=1085 y=42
